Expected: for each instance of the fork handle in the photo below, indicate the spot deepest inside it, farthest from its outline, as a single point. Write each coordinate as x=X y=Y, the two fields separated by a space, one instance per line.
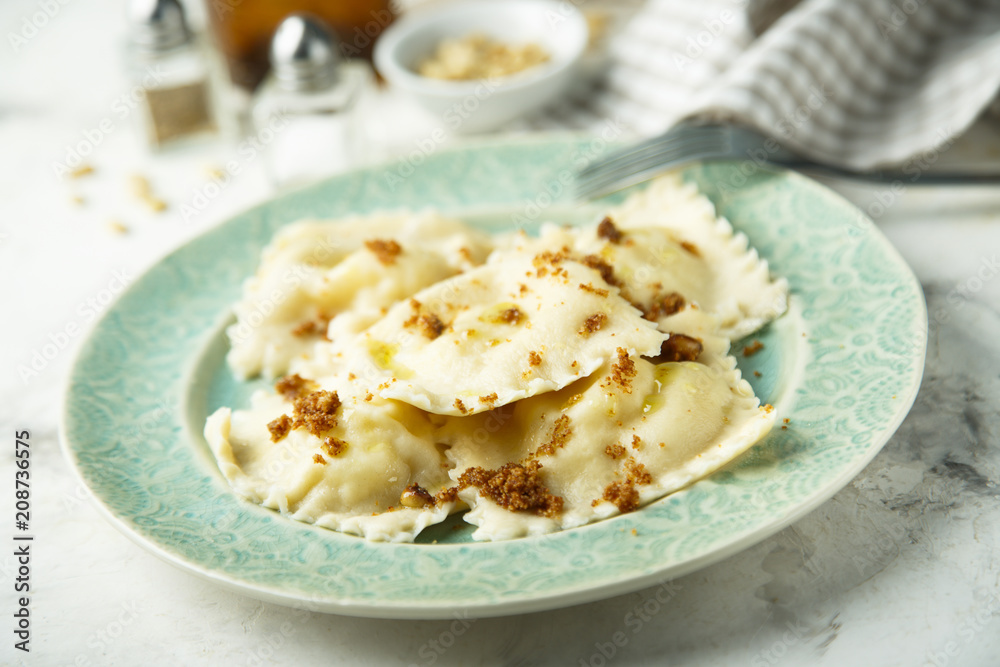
x=896 y=176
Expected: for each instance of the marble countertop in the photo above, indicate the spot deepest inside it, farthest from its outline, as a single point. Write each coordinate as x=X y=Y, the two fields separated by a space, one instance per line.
x=901 y=567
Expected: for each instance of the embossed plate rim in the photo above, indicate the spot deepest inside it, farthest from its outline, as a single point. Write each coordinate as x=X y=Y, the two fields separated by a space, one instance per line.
x=540 y=589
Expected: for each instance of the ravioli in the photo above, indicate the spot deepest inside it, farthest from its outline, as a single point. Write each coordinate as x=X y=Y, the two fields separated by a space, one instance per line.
x=323 y=279
x=500 y=333
x=631 y=433
x=541 y=382
x=351 y=477
x=740 y=291
x=661 y=273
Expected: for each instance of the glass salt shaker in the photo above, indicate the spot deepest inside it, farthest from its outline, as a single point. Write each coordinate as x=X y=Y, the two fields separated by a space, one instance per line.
x=305 y=110
x=172 y=75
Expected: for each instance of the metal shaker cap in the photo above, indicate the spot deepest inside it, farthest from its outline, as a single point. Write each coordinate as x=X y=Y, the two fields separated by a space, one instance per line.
x=157 y=25
x=304 y=54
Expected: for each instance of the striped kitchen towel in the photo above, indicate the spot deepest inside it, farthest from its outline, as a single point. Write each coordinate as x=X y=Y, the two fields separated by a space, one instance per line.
x=859 y=84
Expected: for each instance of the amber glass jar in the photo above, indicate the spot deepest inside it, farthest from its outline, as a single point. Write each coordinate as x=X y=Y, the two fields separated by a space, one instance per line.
x=243 y=29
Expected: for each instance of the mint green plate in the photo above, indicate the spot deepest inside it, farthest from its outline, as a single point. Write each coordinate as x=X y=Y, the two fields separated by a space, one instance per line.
x=843 y=366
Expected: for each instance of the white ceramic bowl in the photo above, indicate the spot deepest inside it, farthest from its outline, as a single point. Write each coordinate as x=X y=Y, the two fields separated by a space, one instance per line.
x=480 y=105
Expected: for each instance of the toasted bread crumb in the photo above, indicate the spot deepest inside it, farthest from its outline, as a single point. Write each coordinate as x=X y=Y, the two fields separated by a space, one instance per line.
x=82 y=170
x=334 y=447
x=511 y=316
x=606 y=270
x=415 y=496
x=514 y=487
x=293 y=386
x=623 y=494
x=279 y=427
x=316 y=412
x=663 y=306
x=691 y=248
x=385 y=251
x=558 y=437
x=431 y=325
x=607 y=230
x=592 y=324
x=680 y=347
x=615 y=451
x=622 y=371
x=118 y=227
x=593 y=290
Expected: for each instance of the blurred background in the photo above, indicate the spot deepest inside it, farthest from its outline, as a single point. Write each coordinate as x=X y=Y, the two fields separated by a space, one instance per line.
x=129 y=127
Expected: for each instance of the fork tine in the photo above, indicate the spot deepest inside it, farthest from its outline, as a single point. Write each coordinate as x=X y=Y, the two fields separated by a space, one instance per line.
x=675 y=136
x=677 y=140
x=668 y=156
x=630 y=166
x=624 y=180
x=693 y=141
x=666 y=150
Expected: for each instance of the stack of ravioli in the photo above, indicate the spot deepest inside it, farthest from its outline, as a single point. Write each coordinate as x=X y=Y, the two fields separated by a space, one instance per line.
x=424 y=367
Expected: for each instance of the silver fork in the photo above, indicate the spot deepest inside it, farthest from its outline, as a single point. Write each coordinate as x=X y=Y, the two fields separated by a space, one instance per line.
x=692 y=141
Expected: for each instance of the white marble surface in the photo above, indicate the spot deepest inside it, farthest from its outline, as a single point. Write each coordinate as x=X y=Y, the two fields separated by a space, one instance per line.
x=899 y=568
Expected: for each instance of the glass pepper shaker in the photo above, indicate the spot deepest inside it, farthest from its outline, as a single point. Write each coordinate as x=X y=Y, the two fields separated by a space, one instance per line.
x=305 y=109
x=171 y=68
